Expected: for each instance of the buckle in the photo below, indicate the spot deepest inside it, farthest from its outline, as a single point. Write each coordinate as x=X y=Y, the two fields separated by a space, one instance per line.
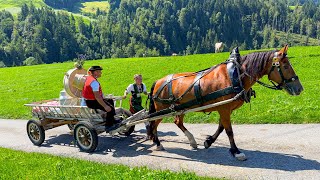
x=276 y=63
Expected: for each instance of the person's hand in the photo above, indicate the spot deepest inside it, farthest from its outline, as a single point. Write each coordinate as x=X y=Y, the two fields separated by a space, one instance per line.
x=108 y=108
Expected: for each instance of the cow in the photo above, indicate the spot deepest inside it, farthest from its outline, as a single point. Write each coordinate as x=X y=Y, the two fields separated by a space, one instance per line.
x=218 y=47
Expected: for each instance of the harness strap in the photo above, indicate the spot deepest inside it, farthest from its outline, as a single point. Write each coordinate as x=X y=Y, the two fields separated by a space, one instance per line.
x=291 y=79
x=197 y=88
x=208 y=97
x=168 y=82
x=274 y=87
x=203 y=73
x=280 y=72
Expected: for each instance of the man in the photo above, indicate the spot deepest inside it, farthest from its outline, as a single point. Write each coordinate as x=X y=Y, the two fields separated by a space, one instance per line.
x=92 y=93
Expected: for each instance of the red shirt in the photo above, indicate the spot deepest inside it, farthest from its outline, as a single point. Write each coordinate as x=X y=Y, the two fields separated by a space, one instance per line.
x=87 y=92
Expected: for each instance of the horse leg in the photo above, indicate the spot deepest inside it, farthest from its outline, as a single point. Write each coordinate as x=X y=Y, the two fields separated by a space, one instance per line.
x=154 y=134
x=178 y=120
x=211 y=139
x=225 y=121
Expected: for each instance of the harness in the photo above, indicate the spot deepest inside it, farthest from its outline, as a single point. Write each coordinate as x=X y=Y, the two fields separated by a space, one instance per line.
x=233 y=69
x=276 y=64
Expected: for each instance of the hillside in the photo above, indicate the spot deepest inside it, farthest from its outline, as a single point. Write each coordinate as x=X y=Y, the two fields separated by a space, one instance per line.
x=27 y=84
x=14 y=6
x=130 y=28
x=77 y=7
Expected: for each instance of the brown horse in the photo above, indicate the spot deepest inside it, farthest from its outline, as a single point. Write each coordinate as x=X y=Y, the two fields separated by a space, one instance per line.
x=179 y=89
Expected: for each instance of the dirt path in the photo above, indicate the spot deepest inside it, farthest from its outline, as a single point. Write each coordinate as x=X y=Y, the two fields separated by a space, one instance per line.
x=274 y=151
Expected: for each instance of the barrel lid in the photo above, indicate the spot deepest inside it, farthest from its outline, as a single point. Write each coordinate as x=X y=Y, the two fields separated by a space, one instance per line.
x=68 y=79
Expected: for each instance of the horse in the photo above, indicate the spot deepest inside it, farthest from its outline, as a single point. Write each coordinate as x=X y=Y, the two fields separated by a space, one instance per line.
x=218 y=47
x=175 y=91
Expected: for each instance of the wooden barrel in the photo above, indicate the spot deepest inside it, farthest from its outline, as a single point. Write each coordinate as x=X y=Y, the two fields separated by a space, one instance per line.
x=73 y=82
x=79 y=80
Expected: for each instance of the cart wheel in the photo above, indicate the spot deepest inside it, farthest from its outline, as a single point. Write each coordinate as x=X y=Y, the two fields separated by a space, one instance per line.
x=35 y=132
x=127 y=131
x=85 y=136
x=71 y=126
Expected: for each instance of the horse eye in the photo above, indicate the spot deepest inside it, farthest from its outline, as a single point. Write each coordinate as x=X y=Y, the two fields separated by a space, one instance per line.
x=286 y=67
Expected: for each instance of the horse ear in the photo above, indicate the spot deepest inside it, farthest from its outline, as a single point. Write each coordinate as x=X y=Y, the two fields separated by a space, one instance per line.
x=283 y=51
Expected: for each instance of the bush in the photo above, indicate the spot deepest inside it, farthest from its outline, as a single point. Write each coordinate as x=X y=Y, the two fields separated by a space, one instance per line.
x=2 y=65
x=31 y=61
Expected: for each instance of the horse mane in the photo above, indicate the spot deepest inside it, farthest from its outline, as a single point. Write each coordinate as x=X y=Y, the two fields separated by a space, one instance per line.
x=255 y=63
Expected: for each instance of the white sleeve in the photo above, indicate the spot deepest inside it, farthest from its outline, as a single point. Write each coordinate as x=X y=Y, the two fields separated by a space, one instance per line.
x=144 y=88
x=130 y=88
x=95 y=86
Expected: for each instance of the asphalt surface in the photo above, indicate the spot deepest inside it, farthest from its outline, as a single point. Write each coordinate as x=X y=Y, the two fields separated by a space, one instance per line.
x=284 y=151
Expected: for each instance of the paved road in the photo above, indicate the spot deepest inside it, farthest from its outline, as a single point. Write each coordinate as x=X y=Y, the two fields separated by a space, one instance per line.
x=274 y=151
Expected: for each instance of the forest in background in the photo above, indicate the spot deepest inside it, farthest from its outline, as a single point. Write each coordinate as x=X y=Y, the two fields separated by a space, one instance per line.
x=136 y=28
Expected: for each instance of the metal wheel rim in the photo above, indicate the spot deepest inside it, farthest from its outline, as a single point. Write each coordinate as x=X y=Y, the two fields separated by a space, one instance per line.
x=84 y=137
x=34 y=132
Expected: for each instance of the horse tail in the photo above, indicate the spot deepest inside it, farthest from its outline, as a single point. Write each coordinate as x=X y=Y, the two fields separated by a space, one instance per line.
x=152 y=108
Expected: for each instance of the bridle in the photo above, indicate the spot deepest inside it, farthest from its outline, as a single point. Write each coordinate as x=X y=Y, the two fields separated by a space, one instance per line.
x=284 y=81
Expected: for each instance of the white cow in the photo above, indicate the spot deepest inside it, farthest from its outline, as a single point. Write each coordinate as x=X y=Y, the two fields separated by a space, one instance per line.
x=218 y=47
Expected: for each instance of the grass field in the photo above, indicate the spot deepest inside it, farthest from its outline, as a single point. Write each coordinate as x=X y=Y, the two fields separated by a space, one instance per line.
x=294 y=7
x=92 y=7
x=14 y=6
x=21 y=85
x=19 y=3
x=22 y=165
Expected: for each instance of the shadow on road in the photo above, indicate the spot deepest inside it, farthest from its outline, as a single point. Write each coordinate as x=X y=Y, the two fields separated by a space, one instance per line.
x=118 y=145
x=256 y=159
x=61 y=140
x=136 y=145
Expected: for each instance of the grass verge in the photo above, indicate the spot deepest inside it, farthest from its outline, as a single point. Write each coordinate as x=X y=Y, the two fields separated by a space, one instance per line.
x=21 y=165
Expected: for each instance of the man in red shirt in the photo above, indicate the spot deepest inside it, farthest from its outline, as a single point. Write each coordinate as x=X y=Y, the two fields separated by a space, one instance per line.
x=92 y=93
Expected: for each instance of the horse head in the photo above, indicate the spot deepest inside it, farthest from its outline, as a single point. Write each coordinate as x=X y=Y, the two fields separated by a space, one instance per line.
x=282 y=72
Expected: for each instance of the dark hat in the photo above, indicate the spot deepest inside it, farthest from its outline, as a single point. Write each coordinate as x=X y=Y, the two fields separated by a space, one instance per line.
x=94 y=68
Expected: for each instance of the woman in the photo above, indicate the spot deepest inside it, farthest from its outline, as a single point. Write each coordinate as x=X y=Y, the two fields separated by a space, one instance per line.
x=136 y=89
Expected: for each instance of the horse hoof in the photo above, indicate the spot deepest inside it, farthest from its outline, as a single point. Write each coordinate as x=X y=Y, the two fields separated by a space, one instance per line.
x=206 y=144
x=194 y=146
x=160 y=148
x=240 y=157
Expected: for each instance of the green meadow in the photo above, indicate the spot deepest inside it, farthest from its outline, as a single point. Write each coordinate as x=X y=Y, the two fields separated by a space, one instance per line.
x=14 y=6
x=92 y=7
x=23 y=165
x=19 y=3
x=21 y=85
